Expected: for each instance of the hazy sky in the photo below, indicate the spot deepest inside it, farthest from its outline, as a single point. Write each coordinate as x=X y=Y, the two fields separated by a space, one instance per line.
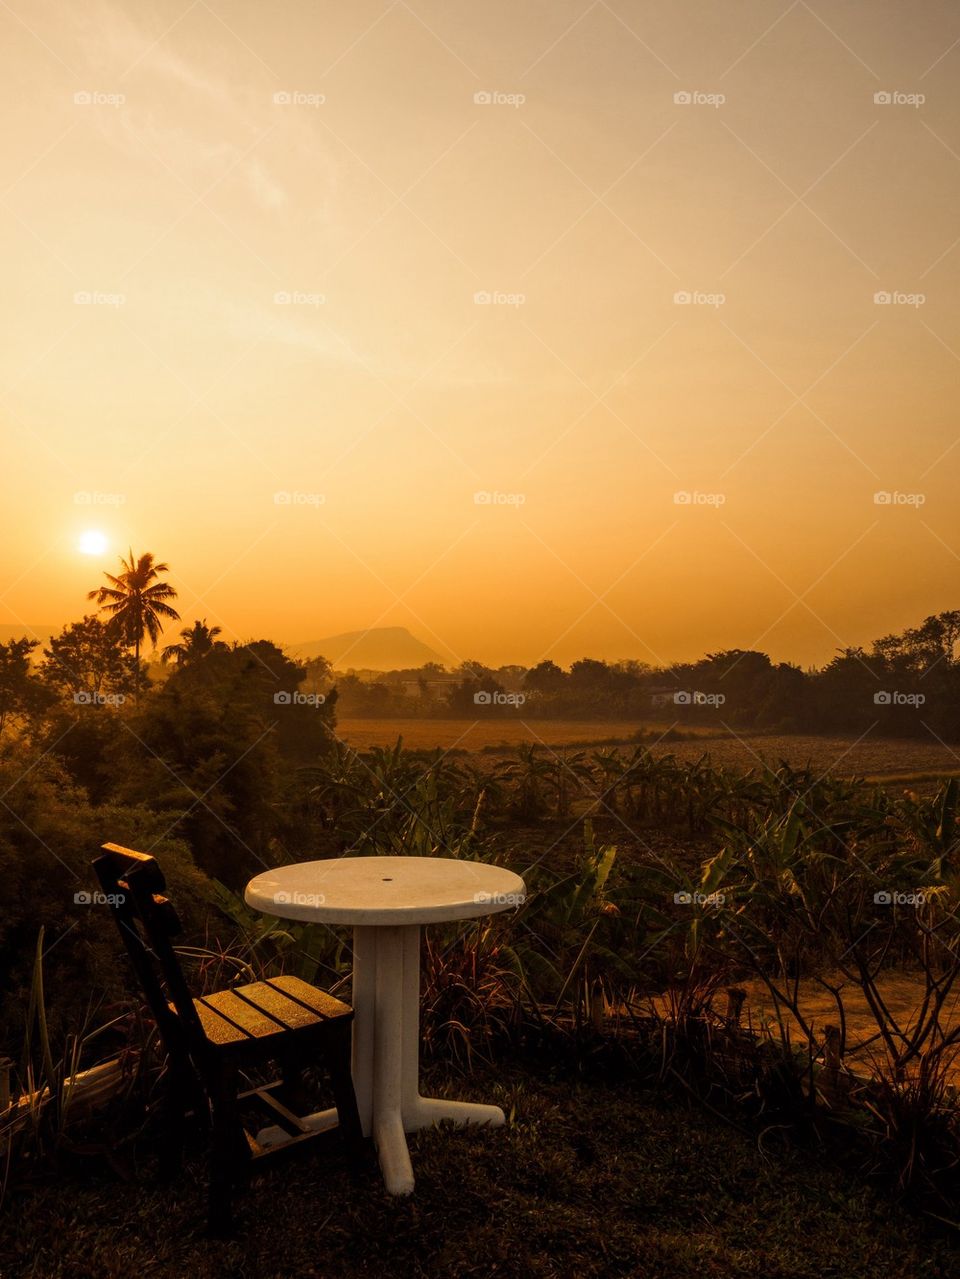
x=172 y=172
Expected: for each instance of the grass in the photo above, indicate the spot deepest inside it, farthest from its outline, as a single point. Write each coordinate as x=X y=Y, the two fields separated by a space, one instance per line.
x=589 y=1179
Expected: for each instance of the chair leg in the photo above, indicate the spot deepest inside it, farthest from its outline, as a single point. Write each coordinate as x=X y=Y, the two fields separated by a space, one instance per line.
x=176 y=1102
x=229 y=1153
x=338 y=1054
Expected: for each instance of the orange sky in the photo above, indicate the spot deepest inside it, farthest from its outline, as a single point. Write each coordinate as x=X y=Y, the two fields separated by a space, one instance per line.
x=180 y=166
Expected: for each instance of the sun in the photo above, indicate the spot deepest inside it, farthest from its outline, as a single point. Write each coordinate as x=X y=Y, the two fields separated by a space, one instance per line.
x=92 y=542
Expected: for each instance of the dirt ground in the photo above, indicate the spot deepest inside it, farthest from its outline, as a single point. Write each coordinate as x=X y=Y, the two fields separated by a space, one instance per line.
x=902 y=994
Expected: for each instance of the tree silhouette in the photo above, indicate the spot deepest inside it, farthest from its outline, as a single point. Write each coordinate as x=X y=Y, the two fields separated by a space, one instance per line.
x=197 y=641
x=136 y=602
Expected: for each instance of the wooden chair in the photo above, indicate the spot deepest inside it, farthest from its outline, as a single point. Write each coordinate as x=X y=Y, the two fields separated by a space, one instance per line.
x=211 y=1039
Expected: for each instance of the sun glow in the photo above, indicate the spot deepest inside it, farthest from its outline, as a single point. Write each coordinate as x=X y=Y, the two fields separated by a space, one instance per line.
x=92 y=542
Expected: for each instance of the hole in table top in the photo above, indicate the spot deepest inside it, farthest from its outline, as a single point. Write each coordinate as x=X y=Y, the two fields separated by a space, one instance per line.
x=388 y=879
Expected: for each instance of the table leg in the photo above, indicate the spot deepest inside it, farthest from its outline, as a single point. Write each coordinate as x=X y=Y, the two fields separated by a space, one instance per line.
x=364 y=1001
x=386 y=1055
x=387 y=1064
x=420 y=1112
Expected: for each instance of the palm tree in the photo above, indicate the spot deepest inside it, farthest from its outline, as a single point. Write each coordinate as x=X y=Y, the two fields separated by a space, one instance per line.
x=136 y=602
x=198 y=640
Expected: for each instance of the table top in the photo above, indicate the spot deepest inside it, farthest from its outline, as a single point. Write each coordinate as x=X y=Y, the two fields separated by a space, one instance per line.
x=385 y=890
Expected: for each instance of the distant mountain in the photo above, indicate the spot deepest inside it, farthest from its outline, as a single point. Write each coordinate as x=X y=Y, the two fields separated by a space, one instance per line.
x=384 y=648
x=31 y=631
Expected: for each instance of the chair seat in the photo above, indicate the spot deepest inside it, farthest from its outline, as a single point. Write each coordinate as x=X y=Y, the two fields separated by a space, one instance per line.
x=259 y=1015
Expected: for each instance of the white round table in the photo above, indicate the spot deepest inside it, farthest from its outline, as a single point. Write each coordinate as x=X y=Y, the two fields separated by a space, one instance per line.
x=386 y=900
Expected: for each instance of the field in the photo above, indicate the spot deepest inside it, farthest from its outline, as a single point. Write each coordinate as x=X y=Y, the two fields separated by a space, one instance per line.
x=885 y=759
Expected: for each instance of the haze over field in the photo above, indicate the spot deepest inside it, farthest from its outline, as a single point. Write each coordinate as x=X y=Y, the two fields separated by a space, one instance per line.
x=423 y=315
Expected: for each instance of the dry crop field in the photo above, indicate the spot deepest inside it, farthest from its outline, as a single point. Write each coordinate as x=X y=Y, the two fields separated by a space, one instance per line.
x=887 y=759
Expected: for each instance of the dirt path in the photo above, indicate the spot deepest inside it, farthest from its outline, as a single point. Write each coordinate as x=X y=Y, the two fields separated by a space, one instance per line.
x=902 y=995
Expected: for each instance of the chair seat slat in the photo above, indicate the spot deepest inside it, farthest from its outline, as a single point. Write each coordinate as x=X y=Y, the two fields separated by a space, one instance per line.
x=318 y=1001
x=249 y=1018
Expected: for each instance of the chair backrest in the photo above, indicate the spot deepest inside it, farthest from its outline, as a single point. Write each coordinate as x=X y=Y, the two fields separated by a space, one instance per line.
x=133 y=884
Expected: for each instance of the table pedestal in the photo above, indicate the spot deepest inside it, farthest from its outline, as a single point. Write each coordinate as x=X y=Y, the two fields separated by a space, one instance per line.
x=386 y=1054
x=386 y=1051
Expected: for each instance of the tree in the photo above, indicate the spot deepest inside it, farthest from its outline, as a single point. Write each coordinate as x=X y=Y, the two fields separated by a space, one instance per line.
x=20 y=690
x=588 y=673
x=224 y=742
x=545 y=677
x=196 y=642
x=87 y=660
x=136 y=602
